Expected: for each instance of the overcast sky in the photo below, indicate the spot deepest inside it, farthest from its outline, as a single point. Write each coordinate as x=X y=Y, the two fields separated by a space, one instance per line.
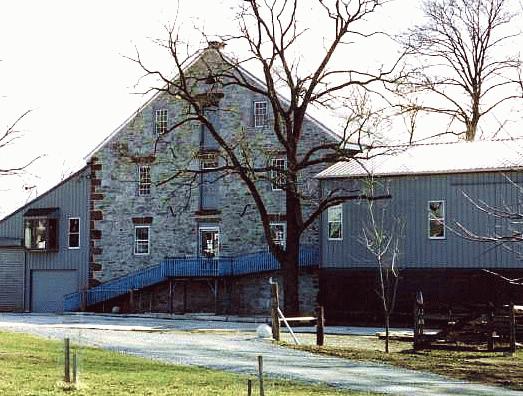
x=65 y=61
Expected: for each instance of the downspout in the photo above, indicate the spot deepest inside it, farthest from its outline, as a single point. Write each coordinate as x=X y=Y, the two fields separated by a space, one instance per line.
x=26 y=292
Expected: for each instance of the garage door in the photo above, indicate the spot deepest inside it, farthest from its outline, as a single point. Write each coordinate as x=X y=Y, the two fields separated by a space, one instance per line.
x=48 y=289
x=11 y=280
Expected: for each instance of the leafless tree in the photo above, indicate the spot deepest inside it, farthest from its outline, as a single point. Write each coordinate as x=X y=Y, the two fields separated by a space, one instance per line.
x=382 y=235
x=271 y=32
x=7 y=138
x=463 y=59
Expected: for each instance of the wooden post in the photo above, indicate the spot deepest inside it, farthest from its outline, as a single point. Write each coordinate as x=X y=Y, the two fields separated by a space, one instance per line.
x=275 y=304
x=131 y=301
x=512 y=328
x=67 y=361
x=320 y=326
x=260 y=374
x=171 y=296
x=419 y=321
x=75 y=367
x=83 y=301
x=249 y=387
x=184 y=296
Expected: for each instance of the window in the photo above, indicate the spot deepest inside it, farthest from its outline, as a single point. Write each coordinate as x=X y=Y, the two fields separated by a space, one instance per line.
x=208 y=161
x=141 y=240
x=335 y=221
x=144 y=184
x=160 y=122
x=74 y=233
x=260 y=114
x=209 y=241
x=278 y=179
x=41 y=234
x=279 y=233
x=436 y=211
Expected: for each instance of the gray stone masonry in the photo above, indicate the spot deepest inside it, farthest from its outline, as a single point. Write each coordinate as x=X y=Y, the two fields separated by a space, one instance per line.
x=174 y=210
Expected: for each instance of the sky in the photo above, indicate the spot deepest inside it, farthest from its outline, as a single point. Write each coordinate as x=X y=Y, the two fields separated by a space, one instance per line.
x=67 y=62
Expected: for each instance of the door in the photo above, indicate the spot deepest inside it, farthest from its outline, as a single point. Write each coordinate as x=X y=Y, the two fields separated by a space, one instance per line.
x=11 y=280
x=48 y=288
x=209 y=241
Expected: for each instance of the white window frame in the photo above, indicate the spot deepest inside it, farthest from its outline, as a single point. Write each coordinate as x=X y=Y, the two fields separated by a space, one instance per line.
x=260 y=117
x=69 y=233
x=209 y=162
x=284 y=240
x=144 y=180
x=160 y=121
x=276 y=175
x=208 y=228
x=329 y=221
x=137 y=241
x=442 y=219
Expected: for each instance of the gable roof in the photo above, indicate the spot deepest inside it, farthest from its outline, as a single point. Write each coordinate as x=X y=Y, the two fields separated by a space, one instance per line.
x=248 y=74
x=28 y=204
x=436 y=158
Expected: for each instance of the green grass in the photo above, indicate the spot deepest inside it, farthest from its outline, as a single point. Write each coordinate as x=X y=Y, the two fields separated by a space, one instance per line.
x=495 y=368
x=34 y=366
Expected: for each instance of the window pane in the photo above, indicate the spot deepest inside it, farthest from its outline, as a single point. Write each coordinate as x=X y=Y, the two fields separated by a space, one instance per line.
x=437 y=229
x=74 y=225
x=335 y=230
x=436 y=209
x=260 y=114
x=142 y=233
x=334 y=213
x=74 y=240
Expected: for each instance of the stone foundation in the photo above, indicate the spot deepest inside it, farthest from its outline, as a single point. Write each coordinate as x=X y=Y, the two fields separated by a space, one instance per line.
x=246 y=295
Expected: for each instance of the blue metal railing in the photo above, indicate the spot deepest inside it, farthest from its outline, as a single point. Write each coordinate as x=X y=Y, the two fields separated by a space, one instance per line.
x=194 y=267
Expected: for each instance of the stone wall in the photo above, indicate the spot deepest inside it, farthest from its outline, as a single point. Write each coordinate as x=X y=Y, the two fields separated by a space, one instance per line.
x=247 y=295
x=173 y=208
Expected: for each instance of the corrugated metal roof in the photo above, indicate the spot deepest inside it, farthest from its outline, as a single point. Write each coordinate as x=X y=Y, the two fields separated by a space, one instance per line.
x=478 y=156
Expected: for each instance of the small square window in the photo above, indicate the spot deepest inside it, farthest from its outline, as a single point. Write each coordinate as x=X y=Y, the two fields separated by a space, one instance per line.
x=160 y=122
x=141 y=240
x=260 y=114
x=279 y=233
x=335 y=222
x=41 y=234
x=144 y=183
x=74 y=233
x=278 y=177
x=436 y=219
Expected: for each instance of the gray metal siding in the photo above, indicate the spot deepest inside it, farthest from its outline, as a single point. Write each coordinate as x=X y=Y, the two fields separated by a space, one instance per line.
x=410 y=196
x=12 y=280
x=72 y=199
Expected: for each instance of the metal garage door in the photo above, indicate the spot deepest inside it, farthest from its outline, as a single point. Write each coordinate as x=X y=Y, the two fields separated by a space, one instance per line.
x=49 y=287
x=11 y=280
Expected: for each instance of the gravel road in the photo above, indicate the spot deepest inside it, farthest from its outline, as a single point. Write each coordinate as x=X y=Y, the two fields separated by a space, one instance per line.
x=170 y=341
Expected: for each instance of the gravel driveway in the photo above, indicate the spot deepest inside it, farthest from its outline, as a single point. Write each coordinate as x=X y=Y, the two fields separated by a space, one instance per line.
x=169 y=341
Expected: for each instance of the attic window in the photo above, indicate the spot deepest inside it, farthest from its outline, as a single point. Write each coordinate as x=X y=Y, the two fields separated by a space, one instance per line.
x=160 y=122
x=41 y=229
x=260 y=114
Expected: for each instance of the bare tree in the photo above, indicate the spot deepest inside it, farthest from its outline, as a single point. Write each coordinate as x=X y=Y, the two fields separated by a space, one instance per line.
x=7 y=138
x=464 y=62
x=271 y=32
x=381 y=235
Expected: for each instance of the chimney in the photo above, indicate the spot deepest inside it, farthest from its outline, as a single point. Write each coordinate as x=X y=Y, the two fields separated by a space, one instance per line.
x=217 y=45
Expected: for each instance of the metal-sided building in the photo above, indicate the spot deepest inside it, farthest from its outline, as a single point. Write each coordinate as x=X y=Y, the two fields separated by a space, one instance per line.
x=440 y=195
x=44 y=248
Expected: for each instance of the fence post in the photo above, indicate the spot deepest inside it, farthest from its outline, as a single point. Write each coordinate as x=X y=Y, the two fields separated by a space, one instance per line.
x=260 y=374
x=419 y=321
x=249 y=387
x=131 y=301
x=320 y=326
x=512 y=328
x=67 y=361
x=275 y=304
x=75 y=366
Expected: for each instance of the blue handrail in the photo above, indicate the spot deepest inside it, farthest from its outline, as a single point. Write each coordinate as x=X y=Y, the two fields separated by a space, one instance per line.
x=193 y=267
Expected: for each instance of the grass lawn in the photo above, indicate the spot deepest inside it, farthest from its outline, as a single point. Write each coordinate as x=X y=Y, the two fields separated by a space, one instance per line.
x=486 y=367
x=34 y=366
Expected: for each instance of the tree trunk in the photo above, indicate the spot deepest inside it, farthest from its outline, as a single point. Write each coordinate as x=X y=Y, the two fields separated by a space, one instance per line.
x=290 y=274
x=387 y=326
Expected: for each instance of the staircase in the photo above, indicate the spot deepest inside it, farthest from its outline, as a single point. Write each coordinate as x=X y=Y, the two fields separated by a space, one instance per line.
x=195 y=267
